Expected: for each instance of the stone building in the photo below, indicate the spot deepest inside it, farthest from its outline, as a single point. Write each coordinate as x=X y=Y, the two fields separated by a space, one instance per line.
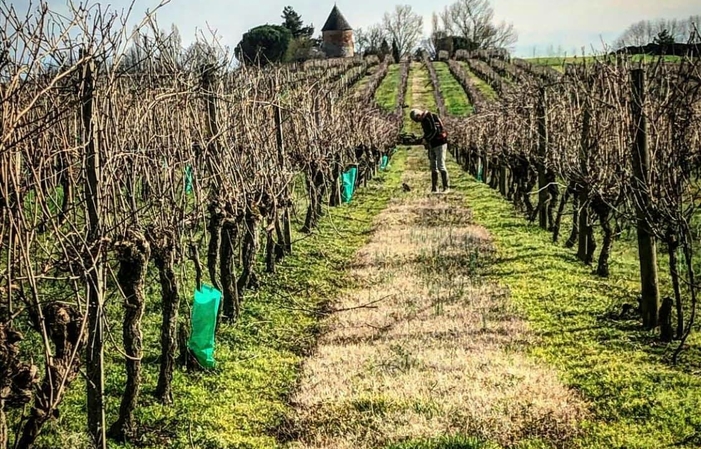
x=337 y=36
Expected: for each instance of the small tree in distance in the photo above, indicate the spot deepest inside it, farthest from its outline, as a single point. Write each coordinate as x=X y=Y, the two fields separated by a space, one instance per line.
x=403 y=26
x=293 y=22
x=384 y=49
x=264 y=44
x=663 y=38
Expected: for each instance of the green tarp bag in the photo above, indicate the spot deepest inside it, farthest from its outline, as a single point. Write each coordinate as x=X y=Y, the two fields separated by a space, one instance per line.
x=204 y=323
x=188 y=179
x=384 y=162
x=349 y=184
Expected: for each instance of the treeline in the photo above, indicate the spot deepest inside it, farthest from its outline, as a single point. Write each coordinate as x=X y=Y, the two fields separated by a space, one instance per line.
x=662 y=49
x=664 y=31
x=290 y=41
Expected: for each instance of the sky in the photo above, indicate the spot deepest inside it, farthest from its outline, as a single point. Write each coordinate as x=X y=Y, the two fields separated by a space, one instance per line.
x=542 y=25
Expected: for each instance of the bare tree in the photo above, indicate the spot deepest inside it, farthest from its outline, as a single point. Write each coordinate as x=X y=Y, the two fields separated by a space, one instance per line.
x=474 y=21
x=370 y=39
x=403 y=26
x=644 y=32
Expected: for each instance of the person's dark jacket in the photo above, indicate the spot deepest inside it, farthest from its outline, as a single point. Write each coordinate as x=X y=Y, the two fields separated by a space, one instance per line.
x=434 y=132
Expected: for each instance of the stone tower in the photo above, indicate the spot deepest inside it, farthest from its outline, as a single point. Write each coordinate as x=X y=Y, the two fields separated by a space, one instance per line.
x=337 y=36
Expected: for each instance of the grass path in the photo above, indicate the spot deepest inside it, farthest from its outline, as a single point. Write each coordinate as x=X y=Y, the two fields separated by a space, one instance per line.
x=426 y=348
x=486 y=89
x=456 y=101
x=387 y=91
x=424 y=352
x=419 y=95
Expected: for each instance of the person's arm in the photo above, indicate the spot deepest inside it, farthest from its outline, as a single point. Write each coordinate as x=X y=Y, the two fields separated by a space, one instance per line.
x=432 y=130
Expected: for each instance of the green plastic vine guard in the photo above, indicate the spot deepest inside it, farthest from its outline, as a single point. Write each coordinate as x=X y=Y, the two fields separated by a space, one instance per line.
x=188 y=179
x=204 y=323
x=384 y=162
x=349 y=178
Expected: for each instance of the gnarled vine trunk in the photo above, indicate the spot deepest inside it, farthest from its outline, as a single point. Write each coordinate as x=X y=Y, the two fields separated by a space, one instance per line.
x=315 y=187
x=574 y=234
x=560 y=213
x=216 y=218
x=230 y=294
x=63 y=324
x=603 y=210
x=163 y=250
x=133 y=253
x=249 y=249
x=17 y=379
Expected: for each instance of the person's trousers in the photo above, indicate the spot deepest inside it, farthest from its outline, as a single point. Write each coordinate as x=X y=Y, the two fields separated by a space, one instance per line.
x=436 y=157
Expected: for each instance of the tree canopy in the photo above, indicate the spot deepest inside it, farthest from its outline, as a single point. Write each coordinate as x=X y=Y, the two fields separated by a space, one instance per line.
x=264 y=44
x=470 y=25
x=404 y=26
x=293 y=22
x=663 y=38
x=645 y=32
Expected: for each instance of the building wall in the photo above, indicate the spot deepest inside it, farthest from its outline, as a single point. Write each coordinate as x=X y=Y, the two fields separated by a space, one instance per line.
x=338 y=44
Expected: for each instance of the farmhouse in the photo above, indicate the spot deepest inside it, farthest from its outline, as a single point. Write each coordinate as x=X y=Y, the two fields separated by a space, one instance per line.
x=337 y=36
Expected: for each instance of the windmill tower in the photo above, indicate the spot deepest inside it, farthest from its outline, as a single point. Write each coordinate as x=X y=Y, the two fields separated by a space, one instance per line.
x=337 y=36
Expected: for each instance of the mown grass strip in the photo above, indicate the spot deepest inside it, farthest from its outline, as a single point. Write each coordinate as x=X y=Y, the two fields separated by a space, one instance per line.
x=242 y=401
x=638 y=400
x=481 y=84
x=456 y=101
x=560 y=61
x=452 y=442
x=386 y=94
x=419 y=95
x=360 y=85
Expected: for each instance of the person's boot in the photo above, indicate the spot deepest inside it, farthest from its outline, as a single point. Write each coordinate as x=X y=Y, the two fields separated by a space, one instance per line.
x=434 y=182
x=444 y=178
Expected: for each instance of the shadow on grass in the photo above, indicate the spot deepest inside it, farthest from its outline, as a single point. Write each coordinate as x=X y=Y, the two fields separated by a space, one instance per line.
x=639 y=398
x=442 y=443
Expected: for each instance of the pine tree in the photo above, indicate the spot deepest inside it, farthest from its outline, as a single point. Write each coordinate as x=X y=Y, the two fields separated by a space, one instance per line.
x=384 y=48
x=664 y=38
x=395 y=51
x=293 y=22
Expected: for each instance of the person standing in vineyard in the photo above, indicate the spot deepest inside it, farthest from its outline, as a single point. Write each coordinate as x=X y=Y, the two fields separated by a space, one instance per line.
x=435 y=140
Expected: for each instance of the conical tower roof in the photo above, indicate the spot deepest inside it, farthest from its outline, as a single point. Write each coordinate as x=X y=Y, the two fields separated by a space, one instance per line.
x=336 y=21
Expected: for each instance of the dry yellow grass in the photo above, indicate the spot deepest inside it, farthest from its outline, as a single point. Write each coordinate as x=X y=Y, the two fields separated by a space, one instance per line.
x=427 y=348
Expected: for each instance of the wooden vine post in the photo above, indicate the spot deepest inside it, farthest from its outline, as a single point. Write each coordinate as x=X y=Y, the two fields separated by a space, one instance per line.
x=286 y=226
x=503 y=174
x=543 y=195
x=95 y=282
x=583 y=193
x=641 y=171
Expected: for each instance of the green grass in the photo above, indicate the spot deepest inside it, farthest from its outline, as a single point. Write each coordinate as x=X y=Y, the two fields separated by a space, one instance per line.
x=386 y=95
x=362 y=82
x=456 y=101
x=244 y=399
x=481 y=84
x=456 y=442
x=637 y=399
x=558 y=61
x=460 y=442
x=419 y=95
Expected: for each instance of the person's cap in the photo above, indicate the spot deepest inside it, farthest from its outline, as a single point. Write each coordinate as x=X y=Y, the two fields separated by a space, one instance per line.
x=415 y=114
